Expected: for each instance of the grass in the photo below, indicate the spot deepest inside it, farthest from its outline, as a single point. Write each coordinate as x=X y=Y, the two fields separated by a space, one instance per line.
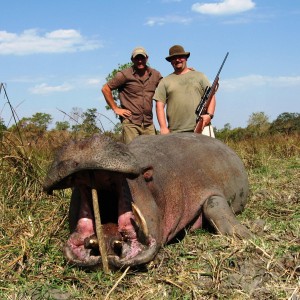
x=34 y=226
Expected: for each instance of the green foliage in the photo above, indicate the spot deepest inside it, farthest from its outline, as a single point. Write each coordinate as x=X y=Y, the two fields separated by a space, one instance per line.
x=86 y=122
x=258 y=119
x=2 y=128
x=41 y=120
x=286 y=123
x=259 y=126
x=89 y=124
x=226 y=134
x=38 y=122
x=2 y=125
x=61 y=126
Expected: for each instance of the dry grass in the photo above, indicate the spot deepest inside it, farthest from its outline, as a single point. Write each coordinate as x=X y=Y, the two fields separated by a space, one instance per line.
x=201 y=266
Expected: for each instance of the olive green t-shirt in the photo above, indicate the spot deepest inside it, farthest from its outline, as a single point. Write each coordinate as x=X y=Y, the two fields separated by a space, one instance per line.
x=181 y=94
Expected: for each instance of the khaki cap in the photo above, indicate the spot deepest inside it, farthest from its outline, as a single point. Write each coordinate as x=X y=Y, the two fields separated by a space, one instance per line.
x=139 y=51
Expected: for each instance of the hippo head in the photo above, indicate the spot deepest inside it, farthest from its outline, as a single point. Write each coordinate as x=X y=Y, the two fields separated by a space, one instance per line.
x=109 y=168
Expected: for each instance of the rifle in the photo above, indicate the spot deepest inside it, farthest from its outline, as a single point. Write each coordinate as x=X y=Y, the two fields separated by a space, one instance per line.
x=206 y=98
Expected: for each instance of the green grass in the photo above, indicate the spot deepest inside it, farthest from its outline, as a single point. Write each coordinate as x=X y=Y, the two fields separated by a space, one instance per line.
x=34 y=227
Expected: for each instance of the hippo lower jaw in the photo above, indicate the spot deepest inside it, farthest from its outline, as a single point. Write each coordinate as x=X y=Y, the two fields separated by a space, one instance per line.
x=128 y=254
x=141 y=258
x=86 y=259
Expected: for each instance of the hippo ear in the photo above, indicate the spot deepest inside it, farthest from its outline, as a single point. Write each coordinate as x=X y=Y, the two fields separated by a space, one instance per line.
x=148 y=173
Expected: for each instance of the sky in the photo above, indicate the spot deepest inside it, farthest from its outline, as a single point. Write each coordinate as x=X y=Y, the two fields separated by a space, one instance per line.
x=55 y=55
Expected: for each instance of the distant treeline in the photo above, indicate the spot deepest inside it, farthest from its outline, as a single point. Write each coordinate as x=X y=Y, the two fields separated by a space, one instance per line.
x=90 y=121
x=259 y=126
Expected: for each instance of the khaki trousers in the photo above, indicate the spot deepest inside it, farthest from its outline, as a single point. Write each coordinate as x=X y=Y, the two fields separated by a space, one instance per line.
x=131 y=131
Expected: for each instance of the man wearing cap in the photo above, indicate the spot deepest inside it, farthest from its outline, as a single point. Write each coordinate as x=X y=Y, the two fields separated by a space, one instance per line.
x=136 y=86
x=181 y=92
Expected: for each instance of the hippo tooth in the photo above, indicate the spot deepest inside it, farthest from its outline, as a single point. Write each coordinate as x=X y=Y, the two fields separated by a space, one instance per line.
x=140 y=220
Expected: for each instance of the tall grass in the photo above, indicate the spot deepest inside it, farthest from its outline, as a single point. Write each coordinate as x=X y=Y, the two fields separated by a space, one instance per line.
x=34 y=226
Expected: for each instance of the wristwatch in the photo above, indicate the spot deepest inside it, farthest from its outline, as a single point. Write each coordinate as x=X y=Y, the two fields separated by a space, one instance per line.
x=211 y=116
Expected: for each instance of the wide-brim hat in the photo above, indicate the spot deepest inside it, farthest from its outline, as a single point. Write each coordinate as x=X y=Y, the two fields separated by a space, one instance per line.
x=177 y=50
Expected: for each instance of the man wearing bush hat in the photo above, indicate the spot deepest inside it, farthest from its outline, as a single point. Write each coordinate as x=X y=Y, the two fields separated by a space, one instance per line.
x=181 y=92
x=136 y=86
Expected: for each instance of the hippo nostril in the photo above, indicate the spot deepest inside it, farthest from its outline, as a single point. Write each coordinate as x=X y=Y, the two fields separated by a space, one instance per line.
x=91 y=242
x=117 y=247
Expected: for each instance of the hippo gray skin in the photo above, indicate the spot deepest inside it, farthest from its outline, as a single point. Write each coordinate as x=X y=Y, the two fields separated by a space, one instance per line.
x=172 y=182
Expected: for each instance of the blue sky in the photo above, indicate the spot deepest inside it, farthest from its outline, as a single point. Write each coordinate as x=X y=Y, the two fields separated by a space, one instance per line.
x=55 y=55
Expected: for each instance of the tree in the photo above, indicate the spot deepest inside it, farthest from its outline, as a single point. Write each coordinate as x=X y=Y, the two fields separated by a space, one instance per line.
x=258 y=124
x=38 y=122
x=226 y=134
x=2 y=128
x=2 y=125
x=85 y=121
x=227 y=126
x=89 y=124
x=286 y=123
x=258 y=119
x=223 y=134
x=75 y=118
x=41 y=120
x=62 y=126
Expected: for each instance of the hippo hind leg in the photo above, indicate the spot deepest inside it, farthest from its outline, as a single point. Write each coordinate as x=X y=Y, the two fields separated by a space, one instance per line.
x=219 y=214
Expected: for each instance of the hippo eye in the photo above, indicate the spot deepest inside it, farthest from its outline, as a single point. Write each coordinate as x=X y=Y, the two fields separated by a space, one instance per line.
x=75 y=163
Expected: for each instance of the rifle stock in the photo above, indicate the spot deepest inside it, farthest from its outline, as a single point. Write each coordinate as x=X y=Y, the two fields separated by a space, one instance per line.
x=206 y=98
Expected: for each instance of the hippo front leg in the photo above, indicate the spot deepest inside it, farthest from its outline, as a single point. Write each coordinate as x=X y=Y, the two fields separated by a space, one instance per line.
x=218 y=212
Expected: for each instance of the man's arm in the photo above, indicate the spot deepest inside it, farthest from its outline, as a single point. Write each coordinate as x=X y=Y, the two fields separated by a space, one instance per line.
x=161 y=117
x=125 y=113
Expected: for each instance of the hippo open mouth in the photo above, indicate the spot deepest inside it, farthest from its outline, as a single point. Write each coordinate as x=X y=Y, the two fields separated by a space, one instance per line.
x=124 y=228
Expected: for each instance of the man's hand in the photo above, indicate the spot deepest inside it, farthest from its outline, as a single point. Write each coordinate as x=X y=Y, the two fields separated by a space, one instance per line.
x=107 y=93
x=164 y=130
x=206 y=120
x=125 y=113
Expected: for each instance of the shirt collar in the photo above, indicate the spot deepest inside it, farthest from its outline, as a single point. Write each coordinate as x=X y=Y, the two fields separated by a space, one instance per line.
x=148 y=70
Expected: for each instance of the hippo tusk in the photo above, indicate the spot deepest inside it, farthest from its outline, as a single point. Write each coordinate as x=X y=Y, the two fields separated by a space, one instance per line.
x=140 y=220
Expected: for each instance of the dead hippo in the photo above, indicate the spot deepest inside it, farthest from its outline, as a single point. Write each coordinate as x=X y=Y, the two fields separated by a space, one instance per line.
x=170 y=182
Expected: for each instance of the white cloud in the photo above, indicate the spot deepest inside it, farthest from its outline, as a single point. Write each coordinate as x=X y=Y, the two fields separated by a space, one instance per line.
x=44 y=88
x=252 y=81
x=72 y=84
x=93 y=81
x=224 y=7
x=166 y=20
x=32 y=41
